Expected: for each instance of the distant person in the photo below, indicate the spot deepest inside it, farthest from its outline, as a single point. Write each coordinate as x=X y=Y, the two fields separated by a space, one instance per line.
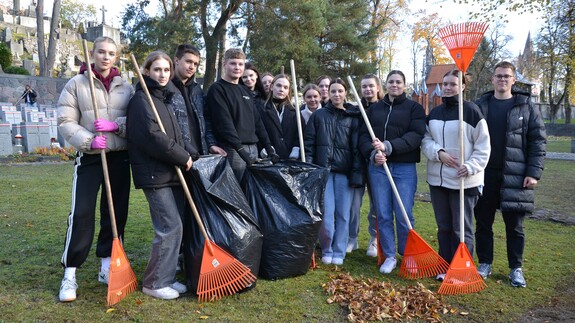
x=239 y=125
x=280 y=119
x=251 y=79
x=77 y=124
x=444 y=169
x=515 y=166
x=399 y=126
x=371 y=93
x=154 y=154
x=312 y=100
x=323 y=82
x=29 y=96
x=331 y=141
x=267 y=79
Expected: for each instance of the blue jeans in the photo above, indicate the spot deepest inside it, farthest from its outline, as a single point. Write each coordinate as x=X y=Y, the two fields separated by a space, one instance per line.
x=387 y=207
x=334 y=230
x=167 y=205
x=355 y=213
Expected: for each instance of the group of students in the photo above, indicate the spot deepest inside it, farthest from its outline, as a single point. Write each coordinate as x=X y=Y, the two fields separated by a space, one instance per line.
x=245 y=117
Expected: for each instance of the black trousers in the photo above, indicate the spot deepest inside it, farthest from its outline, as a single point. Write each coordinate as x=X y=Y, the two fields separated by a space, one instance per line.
x=485 y=210
x=87 y=181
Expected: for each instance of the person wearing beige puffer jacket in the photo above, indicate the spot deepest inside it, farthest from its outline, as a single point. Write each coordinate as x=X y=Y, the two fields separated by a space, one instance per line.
x=77 y=123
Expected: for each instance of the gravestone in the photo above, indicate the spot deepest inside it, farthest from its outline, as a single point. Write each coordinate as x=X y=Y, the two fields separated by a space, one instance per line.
x=5 y=139
x=8 y=35
x=29 y=66
x=35 y=134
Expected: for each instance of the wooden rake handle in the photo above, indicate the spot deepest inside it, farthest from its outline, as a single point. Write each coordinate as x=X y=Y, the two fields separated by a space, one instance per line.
x=372 y=135
x=178 y=170
x=298 y=114
x=107 y=184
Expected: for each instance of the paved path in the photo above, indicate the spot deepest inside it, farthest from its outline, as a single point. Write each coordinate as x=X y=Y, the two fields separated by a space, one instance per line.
x=563 y=156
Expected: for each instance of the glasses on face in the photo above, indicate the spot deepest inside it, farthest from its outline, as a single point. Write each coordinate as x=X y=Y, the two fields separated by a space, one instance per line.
x=503 y=76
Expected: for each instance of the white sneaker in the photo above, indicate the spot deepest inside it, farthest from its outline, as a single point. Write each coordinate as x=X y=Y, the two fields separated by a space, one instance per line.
x=337 y=261
x=440 y=277
x=372 y=248
x=179 y=287
x=326 y=260
x=162 y=293
x=68 y=290
x=388 y=265
x=104 y=276
x=352 y=245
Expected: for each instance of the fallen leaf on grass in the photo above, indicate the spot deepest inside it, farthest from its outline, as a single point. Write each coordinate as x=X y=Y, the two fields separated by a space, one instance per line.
x=368 y=299
x=110 y=310
x=138 y=302
x=464 y=313
x=204 y=317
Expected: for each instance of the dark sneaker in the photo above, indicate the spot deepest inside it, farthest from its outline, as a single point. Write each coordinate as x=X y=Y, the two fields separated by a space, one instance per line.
x=516 y=278
x=484 y=270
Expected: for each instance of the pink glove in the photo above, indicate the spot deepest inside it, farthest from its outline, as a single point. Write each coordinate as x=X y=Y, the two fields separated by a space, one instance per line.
x=99 y=142
x=104 y=125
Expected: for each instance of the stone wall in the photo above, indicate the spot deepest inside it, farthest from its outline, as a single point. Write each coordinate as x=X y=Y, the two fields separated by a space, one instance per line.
x=12 y=86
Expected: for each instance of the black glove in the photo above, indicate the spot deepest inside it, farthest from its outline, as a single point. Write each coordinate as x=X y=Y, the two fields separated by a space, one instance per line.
x=272 y=154
x=245 y=155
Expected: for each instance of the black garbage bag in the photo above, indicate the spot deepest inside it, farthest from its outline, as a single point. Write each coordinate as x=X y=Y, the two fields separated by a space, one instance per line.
x=287 y=200
x=226 y=215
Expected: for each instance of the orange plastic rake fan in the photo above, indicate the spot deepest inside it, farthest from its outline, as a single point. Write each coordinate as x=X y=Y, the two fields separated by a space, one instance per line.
x=462 y=41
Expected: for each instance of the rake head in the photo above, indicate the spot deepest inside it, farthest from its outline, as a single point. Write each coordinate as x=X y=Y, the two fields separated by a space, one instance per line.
x=122 y=280
x=462 y=276
x=419 y=259
x=221 y=274
x=462 y=41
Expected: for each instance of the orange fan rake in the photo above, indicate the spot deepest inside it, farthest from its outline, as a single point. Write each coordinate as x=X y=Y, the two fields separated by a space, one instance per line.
x=462 y=40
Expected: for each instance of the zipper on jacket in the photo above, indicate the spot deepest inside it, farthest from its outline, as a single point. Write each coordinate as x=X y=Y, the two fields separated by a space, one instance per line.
x=387 y=122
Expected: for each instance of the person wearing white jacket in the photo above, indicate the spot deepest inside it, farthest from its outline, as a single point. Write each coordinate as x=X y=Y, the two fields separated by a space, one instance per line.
x=78 y=125
x=444 y=169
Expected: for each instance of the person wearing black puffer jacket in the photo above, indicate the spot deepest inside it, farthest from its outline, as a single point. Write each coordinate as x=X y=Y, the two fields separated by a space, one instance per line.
x=154 y=154
x=279 y=118
x=331 y=136
x=399 y=126
x=515 y=166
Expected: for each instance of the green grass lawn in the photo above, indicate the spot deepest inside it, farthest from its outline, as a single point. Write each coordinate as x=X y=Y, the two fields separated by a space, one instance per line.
x=35 y=201
x=559 y=144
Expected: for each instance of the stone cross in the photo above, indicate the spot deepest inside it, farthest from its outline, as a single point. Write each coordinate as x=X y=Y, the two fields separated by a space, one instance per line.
x=103 y=14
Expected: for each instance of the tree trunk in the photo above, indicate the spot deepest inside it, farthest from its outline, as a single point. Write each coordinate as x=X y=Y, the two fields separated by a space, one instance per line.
x=40 y=35
x=53 y=38
x=46 y=62
x=212 y=41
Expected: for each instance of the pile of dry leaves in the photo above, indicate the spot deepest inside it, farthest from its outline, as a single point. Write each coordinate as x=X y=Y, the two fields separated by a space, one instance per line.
x=372 y=300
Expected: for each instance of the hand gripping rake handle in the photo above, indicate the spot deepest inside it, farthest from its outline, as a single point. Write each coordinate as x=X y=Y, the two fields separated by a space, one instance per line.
x=298 y=118
x=102 y=151
x=178 y=170
x=372 y=135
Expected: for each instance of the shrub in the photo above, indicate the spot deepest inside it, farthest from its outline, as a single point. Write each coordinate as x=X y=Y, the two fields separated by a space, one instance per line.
x=5 y=56
x=64 y=153
x=16 y=70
